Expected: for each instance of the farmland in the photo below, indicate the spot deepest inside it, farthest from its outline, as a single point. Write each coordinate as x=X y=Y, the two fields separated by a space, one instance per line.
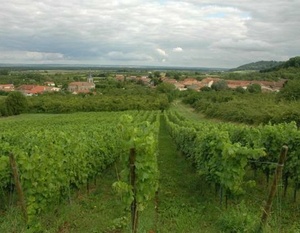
x=67 y=152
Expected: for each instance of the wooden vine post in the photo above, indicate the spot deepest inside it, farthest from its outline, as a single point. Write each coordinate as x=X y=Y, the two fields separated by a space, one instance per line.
x=134 y=210
x=14 y=168
x=278 y=174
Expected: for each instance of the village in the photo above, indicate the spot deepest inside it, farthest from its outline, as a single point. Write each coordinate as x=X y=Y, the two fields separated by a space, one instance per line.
x=187 y=84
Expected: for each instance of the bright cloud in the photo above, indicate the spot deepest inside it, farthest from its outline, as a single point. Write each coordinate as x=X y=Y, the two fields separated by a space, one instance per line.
x=177 y=49
x=162 y=52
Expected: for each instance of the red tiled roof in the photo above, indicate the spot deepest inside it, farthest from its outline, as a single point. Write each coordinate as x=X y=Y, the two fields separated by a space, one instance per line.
x=120 y=77
x=81 y=84
x=7 y=87
x=32 y=89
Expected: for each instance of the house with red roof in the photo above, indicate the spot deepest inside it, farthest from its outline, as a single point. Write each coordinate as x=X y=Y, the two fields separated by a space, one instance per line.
x=189 y=81
x=180 y=86
x=30 y=90
x=7 y=87
x=144 y=79
x=120 y=77
x=81 y=87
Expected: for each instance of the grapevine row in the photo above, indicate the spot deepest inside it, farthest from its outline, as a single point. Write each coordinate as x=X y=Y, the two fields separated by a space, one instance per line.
x=223 y=152
x=58 y=153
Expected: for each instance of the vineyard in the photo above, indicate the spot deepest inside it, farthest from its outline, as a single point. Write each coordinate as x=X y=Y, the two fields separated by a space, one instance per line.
x=222 y=152
x=57 y=154
x=224 y=155
x=45 y=159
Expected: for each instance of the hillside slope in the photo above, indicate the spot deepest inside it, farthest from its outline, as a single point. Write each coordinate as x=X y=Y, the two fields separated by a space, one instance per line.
x=260 y=65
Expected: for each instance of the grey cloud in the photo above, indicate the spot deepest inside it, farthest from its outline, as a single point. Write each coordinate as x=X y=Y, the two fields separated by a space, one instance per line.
x=110 y=31
x=246 y=45
x=120 y=56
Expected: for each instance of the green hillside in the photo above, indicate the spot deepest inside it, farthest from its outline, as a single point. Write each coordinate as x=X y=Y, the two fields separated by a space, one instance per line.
x=293 y=62
x=260 y=65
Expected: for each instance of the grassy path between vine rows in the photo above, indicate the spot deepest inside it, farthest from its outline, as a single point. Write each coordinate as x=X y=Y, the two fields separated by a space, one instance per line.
x=190 y=113
x=181 y=205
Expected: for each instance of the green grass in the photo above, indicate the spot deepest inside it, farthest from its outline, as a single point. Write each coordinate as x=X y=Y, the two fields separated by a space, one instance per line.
x=186 y=111
x=183 y=206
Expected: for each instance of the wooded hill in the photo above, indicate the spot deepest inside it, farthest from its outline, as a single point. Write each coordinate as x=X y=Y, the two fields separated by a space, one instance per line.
x=260 y=65
x=293 y=62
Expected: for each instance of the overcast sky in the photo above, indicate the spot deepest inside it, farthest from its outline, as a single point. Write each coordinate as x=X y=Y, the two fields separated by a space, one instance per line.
x=195 y=33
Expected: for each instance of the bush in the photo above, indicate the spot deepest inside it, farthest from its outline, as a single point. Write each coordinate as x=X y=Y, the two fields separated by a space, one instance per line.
x=240 y=90
x=291 y=91
x=254 y=88
x=15 y=103
x=219 y=85
x=205 y=88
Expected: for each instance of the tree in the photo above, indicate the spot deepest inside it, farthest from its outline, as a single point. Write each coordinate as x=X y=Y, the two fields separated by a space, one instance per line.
x=290 y=91
x=292 y=62
x=4 y=72
x=219 y=85
x=167 y=88
x=156 y=74
x=16 y=103
x=3 y=93
x=254 y=88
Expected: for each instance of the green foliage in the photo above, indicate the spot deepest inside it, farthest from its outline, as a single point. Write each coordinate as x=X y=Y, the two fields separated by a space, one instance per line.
x=114 y=101
x=3 y=93
x=174 y=74
x=245 y=107
x=219 y=85
x=156 y=74
x=3 y=111
x=292 y=62
x=4 y=71
x=222 y=152
x=218 y=159
x=240 y=90
x=165 y=87
x=59 y=152
x=238 y=219
x=252 y=75
x=254 y=88
x=291 y=90
x=206 y=88
x=16 y=103
x=119 y=223
x=168 y=89
x=141 y=137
